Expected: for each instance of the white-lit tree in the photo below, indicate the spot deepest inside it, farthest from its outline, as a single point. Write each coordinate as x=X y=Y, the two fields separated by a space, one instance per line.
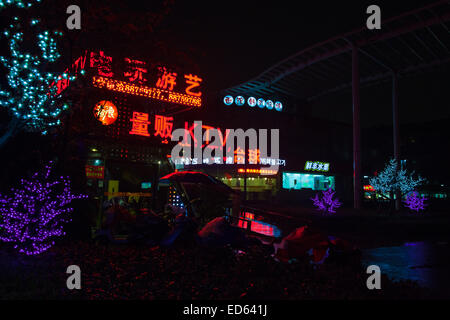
x=394 y=180
x=30 y=94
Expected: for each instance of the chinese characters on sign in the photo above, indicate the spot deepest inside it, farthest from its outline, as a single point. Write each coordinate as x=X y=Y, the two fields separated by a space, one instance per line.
x=140 y=124
x=317 y=166
x=163 y=126
x=138 y=82
x=95 y=172
x=105 y=112
x=252 y=102
x=144 y=91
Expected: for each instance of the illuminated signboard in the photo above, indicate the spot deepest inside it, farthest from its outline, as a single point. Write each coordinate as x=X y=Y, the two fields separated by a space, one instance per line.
x=368 y=188
x=146 y=185
x=148 y=92
x=317 y=166
x=95 y=172
x=134 y=78
x=258 y=171
x=105 y=112
x=138 y=123
x=253 y=155
x=252 y=102
x=228 y=100
x=239 y=100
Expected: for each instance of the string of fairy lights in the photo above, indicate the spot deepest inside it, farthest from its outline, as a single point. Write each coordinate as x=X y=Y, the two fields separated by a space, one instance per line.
x=31 y=94
x=36 y=212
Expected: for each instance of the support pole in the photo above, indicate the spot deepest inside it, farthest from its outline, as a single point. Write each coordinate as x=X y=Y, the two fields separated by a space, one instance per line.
x=356 y=131
x=396 y=132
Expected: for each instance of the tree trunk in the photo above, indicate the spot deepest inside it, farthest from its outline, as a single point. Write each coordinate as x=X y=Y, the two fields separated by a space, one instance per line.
x=12 y=128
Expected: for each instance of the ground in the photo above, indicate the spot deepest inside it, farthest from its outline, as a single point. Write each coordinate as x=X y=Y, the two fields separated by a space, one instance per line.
x=191 y=272
x=138 y=272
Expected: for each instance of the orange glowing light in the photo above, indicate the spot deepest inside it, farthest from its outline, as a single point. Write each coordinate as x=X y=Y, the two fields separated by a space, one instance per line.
x=106 y=112
x=144 y=91
x=194 y=82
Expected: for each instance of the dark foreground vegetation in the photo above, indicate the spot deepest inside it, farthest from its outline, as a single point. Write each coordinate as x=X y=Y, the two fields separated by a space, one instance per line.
x=189 y=272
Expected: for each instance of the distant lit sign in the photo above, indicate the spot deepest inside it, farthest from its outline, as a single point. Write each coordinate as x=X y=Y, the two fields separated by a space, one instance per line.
x=317 y=166
x=105 y=112
x=251 y=101
x=146 y=185
x=368 y=188
x=95 y=172
x=261 y=103
x=228 y=100
x=239 y=100
x=258 y=171
x=278 y=106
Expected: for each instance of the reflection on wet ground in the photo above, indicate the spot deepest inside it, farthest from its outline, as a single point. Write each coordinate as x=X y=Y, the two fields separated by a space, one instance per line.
x=428 y=263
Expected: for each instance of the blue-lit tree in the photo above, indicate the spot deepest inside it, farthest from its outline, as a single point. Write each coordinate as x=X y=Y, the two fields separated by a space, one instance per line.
x=394 y=180
x=30 y=94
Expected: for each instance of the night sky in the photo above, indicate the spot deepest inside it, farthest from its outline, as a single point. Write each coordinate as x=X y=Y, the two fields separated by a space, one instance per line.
x=237 y=40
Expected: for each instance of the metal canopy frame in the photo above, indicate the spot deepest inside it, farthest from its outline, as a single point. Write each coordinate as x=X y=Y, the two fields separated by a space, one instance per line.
x=409 y=43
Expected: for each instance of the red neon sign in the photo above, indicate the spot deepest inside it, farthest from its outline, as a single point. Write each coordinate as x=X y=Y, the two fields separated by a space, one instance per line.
x=136 y=70
x=167 y=80
x=148 y=92
x=194 y=82
x=163 y=127
x=368 y=188
x=140 y=124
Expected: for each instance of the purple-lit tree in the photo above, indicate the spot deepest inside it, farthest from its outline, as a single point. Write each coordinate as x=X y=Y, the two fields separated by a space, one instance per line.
x=326 y=203
x=36 y=212
x=414 y=202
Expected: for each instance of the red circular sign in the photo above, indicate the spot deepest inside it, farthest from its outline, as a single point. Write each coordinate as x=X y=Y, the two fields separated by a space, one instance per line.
x=105 y=112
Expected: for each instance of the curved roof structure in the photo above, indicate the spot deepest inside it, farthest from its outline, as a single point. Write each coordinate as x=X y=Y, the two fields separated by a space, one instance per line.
x=409 y=43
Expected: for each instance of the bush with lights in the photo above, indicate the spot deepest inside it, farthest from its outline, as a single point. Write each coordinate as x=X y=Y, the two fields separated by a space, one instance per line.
x=35 y=214
x=326 y=203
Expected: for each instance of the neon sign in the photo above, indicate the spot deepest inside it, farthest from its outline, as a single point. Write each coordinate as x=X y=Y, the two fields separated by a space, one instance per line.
x=317 y=166
x=252 y=102
x=140 y=124
x=105 y=112
x=368 y=188
x=144 y=91
x=239 y=100
x=228 y=100
x=258 y=171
